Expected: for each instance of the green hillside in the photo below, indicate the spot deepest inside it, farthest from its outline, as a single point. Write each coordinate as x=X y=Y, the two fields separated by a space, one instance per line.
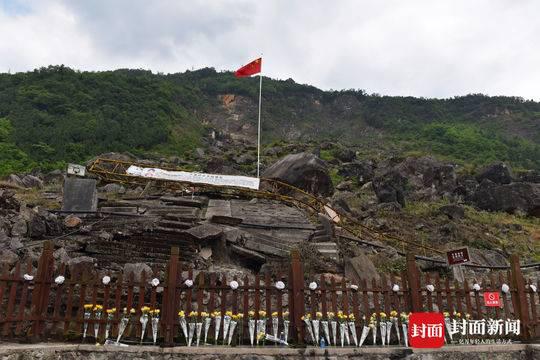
x=55 y=115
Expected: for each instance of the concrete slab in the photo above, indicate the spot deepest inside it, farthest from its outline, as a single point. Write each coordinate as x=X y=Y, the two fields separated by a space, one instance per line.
x=79 y=195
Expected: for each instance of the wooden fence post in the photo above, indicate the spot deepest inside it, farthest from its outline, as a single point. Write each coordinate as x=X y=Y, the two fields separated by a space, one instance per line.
x=40 y=295
x=296 y=296
x=168 y=306
x=413 y=280
x=521 y=303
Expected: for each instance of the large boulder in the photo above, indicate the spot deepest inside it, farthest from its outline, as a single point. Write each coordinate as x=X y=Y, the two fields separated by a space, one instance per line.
x=499 y=173
x=303 y=170
x=362 y=171
x=427 y=176
x=15 y=180
x=31 y=181
x=517 y=196
x=137 y=270
x=345 y=154
x=390 y=187
x=360 y=268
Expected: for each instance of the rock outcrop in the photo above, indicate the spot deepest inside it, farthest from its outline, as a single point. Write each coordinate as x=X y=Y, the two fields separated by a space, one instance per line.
x=390 y=187
x=511 y=198
x=303 y=170
x=498 y=173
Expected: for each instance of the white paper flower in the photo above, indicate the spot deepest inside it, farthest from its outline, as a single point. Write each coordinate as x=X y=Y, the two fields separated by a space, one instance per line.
x=476 y=287
x=154 y=282
x=313 y=285
x=28 y=277
x=532 y=287
x=354 y=287
x=188 y=283
x=280 y=285
x=395 y=288
x=59 y=279
x=106 y=280
x=505 y=288
x=430 y=288
x=233 y=284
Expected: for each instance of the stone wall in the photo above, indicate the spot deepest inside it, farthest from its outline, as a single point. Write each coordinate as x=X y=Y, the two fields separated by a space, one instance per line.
x=71 y=351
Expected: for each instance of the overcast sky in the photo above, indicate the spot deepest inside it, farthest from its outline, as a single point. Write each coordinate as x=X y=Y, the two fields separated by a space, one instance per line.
x=432 y=48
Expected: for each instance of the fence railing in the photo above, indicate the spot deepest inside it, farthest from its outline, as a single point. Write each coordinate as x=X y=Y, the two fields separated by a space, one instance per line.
x=48 y=303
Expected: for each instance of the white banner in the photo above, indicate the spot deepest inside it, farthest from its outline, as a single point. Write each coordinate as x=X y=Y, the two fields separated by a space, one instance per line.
x=194 y=177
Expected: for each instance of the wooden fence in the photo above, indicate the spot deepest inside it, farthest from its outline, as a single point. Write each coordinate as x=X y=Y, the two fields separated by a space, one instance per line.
x=35 y=307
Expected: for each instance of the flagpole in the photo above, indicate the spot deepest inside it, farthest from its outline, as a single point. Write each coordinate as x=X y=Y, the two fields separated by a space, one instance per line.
x=259 y=126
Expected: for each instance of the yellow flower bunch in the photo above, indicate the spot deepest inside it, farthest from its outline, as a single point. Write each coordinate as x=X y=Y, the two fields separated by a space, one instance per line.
x=318 y=315
x=154 y=312
x=145 y=309
x=193 y=314
x=98 y=308
x=251 y=314
x=215 y=314
x=285 y=314
x=88 y=306
x=228 y=313
x=181 y=314
x=404 y=317
x=351 y=317
x=262 y=314
x=457 y=314
x=382 y=315
x=342 y=317
x=204 y=314
x=467 y=316
x=393 y=313
x=330 y=315
x=306 y=317
x=275 y=314
x=237 y=317
x=446 y=314
x=111 y=311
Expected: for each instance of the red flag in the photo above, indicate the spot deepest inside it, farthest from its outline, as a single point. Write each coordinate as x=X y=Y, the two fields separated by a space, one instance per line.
x=252 y=68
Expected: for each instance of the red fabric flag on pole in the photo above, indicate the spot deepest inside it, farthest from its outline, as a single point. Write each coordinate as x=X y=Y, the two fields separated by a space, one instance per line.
x=252 y=68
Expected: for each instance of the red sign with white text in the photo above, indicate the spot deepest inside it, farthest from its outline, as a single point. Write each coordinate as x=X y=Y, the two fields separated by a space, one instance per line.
x=426 y=330
x=492 y=299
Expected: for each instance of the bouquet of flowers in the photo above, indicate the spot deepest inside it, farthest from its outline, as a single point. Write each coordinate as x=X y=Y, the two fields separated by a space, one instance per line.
x=352 y=328
x=333 y=324
x=316 y=325
x=275 y=324
x=183 y=323
x=124 y=321
x=199 y=325
x=110 y=318
x=326 y=329
x=217 y=322
x=226 y=323
x=394 y=322
x=154 y=316
x=98 y=311
x=343 y=327
x=191 y=326
x=144 y=320
x=261 y=326
x=87 y=315
x=365 y=330
x=404 y=317
x=251 y=326
x=307 y=319
x=207 y=320
x=286 y=326
x=234 y=321
x=383 y=325
x=373 y=326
